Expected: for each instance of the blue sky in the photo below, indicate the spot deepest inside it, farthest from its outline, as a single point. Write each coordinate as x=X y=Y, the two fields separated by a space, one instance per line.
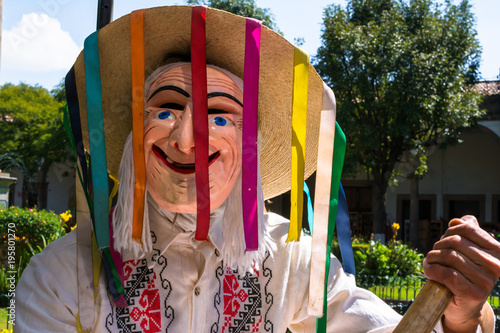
x=41 y=38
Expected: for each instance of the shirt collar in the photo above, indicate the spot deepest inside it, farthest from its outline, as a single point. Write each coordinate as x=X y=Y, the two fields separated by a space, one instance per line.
x=169 y=227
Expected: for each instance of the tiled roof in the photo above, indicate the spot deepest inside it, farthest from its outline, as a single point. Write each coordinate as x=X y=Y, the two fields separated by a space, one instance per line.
x=488 y=88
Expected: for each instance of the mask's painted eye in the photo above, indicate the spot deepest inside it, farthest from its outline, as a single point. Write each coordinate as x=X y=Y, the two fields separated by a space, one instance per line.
x=166 y=115
x=220 y=121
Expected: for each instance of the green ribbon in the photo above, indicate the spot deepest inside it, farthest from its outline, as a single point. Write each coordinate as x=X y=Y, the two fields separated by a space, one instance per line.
x=67 y=127
x=337 y=165
x=97 y=141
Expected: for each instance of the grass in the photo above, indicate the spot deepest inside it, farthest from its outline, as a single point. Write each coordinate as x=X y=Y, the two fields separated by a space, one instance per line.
x=404 y=294
x=3 y=320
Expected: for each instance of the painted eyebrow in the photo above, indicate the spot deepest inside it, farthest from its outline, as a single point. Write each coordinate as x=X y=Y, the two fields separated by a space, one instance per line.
x=174 y=88
x=222 y=94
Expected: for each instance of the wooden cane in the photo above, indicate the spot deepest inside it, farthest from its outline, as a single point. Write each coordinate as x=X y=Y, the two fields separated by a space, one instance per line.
x=426 y=310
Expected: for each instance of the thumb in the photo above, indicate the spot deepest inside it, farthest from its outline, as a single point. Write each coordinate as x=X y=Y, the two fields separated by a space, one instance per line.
x=467 y=219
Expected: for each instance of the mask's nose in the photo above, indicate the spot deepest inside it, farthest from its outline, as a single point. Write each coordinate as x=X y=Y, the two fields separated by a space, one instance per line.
x=182 y=136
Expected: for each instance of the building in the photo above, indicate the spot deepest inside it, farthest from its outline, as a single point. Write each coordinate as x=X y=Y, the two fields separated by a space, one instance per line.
x=463 y=179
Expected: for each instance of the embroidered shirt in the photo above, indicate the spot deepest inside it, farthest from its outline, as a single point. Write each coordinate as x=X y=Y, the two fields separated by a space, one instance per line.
x=184 y=286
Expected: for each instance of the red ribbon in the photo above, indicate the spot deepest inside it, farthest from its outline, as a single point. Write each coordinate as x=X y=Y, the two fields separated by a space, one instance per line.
x=200 y=120
x=249 y=144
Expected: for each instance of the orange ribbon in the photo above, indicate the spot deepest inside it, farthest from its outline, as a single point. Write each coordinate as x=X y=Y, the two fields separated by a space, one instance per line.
x=137 y=66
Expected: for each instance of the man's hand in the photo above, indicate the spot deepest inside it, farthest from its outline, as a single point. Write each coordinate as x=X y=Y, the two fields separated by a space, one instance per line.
x=467 y=261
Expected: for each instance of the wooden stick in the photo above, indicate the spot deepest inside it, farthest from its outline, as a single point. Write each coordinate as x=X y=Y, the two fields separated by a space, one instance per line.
x=427 y=310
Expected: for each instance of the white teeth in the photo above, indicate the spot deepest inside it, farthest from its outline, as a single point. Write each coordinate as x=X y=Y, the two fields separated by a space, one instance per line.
x=169 y=160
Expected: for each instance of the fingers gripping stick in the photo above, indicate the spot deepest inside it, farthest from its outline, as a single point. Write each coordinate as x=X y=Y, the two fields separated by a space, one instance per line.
x=427 y=310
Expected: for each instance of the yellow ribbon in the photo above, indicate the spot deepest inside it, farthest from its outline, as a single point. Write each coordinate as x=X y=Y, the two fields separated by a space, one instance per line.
x=114 y=190
x=96 y=265
x=299 y=122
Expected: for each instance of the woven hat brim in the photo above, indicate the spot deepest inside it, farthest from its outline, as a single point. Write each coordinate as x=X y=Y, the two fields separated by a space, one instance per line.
x=167 y=33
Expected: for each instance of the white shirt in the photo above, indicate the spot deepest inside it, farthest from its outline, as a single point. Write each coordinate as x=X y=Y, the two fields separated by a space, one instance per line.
x=183 y=286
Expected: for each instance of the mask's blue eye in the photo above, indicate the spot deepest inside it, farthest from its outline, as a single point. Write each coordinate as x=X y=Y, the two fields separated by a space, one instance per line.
x=220 y=121
x=164 y=115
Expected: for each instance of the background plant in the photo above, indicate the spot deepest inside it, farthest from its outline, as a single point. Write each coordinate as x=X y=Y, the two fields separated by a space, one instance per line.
x=379 y=264
x=384 y=264
x=33 y=136
x=34 y=229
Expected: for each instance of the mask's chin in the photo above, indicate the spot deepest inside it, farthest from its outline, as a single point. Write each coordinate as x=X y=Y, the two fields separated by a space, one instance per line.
x=184 y=205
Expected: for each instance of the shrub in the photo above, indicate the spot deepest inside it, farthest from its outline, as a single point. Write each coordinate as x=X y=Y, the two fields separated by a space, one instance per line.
x=32 y=230
x=387 y=264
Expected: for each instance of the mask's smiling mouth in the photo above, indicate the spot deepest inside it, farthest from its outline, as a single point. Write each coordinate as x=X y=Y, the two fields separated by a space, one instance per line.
x=180 y=167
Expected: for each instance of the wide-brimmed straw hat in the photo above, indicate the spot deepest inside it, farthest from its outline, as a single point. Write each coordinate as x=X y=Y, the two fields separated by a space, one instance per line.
x=167 y=35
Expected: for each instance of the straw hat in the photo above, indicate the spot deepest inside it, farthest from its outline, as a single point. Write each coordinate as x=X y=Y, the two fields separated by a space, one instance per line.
x=167 y=32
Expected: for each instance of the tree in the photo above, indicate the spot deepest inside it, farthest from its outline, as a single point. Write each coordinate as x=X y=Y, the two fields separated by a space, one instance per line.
x=33 y=137
x=402 y=73
x=246 y=8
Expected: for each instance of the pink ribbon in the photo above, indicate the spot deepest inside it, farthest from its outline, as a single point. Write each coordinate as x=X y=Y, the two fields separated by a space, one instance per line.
x=249 y=144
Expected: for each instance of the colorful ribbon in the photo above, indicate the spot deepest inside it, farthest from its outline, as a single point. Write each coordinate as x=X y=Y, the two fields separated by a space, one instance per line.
x=249 y=144
x=200 y=119
x=73 y=107
x=342 y=225
x=322 y=204
x=310 y=210
x=299 y=122
x=69 y=133
x=96 y=140
x=338 y=163
x=344 y=233
x=116 y=268
x=137 y=68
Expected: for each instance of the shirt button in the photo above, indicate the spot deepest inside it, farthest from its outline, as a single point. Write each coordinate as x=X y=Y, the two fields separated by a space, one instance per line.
x=217 y=253
x=197 y=291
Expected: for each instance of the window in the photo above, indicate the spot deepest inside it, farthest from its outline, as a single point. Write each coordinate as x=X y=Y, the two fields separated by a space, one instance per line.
x=495 y=217
x=426 y=211
x=460 y=205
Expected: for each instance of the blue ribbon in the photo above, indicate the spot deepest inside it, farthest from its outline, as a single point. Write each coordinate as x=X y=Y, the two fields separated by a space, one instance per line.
x=344 y=233
x=310 y=211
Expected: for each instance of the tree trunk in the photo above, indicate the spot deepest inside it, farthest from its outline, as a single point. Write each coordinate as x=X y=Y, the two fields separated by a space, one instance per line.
x=378 y=207
x=414 y=212
x=25 y=193
x=1 y=20
x=41 y=187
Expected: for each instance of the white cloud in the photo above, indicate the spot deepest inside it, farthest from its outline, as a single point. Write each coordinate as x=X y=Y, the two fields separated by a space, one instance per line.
x=38 y=44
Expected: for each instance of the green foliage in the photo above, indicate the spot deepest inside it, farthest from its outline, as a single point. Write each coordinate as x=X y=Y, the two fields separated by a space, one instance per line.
x=32 y=226
x=31 y=128
x=401 y=71
x=384 y=264
x=33 y=231
x=246 y=8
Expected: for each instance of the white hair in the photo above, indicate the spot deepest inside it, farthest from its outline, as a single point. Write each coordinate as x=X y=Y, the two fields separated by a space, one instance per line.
x=123 y=212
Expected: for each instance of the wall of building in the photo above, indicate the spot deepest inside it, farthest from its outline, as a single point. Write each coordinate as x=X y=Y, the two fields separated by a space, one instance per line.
x=469 y=168
x=60 y=189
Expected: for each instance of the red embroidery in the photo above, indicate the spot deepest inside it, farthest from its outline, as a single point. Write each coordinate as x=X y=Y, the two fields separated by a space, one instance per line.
x=128 y=267
x=239 y=291
x=148 y=313
x=232 y=296
x=256 y=326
